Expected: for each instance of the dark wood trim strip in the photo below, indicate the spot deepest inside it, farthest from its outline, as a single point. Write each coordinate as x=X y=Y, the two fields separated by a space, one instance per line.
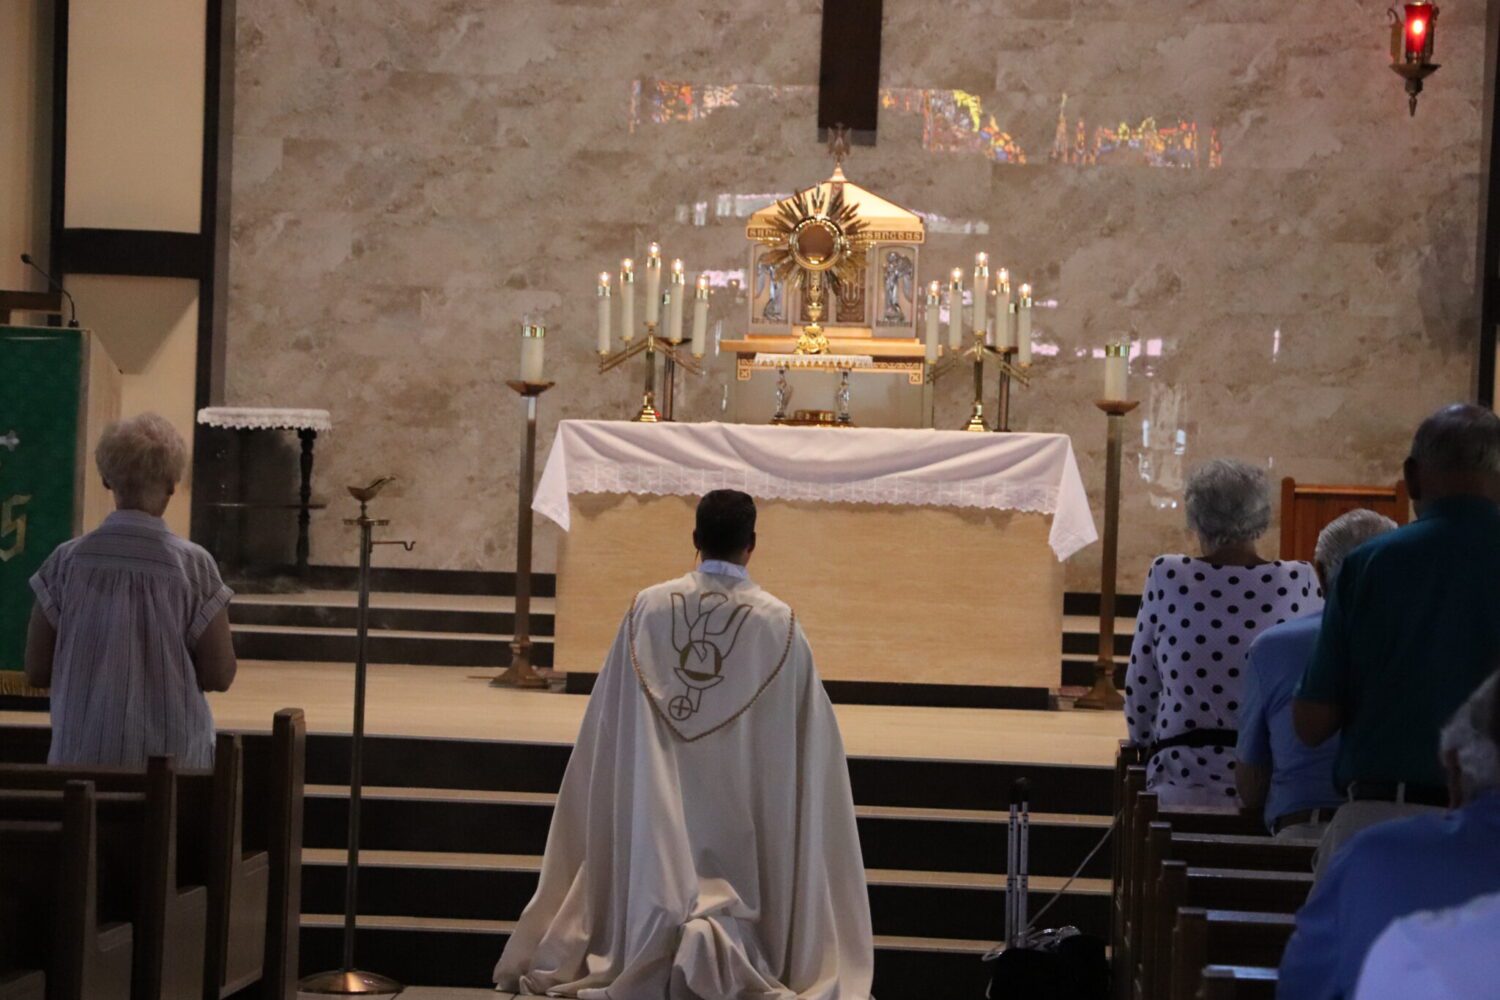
x=137 y=252
x=59 y=164
x=1487 y=261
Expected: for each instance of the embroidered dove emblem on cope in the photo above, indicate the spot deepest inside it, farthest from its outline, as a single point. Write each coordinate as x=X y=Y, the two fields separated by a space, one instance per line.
x=704 y=630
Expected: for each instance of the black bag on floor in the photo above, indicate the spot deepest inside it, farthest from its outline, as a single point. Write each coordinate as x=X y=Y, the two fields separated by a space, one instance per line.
x=1060 y=964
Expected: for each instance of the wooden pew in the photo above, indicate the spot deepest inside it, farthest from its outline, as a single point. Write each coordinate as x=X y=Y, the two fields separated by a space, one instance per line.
x=1237 y=982
x=50 y=908
x=1138 y=869
x=139 y=874
x=1224 y=937
x=23 y=985
x=1179 y=885
x=1131 y=782
x=250 y=859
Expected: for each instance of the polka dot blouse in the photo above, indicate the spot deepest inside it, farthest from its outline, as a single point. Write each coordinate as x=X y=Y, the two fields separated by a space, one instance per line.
x=1187 y=663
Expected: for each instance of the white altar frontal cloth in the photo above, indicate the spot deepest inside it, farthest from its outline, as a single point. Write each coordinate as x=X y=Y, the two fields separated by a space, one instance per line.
x=1035 y=473
x=265 y=418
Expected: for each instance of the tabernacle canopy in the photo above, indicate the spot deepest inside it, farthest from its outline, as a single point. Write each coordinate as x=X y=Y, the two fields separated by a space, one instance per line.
x=704 y=843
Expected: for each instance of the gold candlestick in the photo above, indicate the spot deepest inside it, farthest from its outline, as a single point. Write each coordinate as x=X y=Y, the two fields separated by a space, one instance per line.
x=519 y=673
x=1104 y=694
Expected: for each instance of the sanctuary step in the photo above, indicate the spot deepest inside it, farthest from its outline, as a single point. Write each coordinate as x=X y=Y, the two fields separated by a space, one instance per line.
x=454 y=831
x=474 y=630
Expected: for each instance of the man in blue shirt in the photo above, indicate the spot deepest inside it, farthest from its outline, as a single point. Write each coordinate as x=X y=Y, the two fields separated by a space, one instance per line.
x=1423 y=862
x=1275 y=771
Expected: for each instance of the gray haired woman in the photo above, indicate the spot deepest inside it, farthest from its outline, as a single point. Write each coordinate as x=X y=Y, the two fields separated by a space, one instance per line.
x=1198 y=617
x=131 y=625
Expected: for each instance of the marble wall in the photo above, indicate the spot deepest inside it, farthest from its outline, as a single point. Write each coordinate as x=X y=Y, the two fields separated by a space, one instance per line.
x=1235 y=186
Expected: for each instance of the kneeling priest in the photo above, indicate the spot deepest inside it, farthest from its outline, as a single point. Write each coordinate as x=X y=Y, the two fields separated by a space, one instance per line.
x=704 y=843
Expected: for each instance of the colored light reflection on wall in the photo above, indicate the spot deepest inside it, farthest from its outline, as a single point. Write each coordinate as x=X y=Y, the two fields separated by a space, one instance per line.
x=1149 y=144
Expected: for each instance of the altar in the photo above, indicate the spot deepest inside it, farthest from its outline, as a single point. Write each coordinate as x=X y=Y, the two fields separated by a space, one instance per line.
x=910 y=556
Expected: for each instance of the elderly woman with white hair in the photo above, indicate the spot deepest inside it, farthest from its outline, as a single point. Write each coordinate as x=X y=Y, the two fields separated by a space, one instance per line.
x=1198 y=616
x=131 y=625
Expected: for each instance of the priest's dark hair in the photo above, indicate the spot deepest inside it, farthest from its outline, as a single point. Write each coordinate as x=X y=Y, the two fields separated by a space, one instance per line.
x=726 y=524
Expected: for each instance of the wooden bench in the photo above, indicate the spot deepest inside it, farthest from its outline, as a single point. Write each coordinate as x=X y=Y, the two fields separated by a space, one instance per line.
x=139 y=874
x=1224 y=937
x=1179 y=886
x=250 y=861
x=50 y=909
x=1237 y=982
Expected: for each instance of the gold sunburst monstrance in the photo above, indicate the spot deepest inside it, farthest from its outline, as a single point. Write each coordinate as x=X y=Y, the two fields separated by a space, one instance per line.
x=817 y=237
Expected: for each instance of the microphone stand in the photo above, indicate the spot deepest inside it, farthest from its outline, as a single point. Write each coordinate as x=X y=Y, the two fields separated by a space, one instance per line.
x=54 y=283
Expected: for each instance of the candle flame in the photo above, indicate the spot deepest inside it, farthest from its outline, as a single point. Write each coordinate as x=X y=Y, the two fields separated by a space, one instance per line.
x=958 y=275
x=702 y=281
x=676 y=267
x=654 y=250
x=1025 y=291
x=1005 y=276
x=981 y=258
x=627 y=265
x=604 y=278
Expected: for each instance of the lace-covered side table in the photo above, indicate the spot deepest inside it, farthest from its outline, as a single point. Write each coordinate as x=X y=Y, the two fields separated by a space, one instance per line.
x=308 y=424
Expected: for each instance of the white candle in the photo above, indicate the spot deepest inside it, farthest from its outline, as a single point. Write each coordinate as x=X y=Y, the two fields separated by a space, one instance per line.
x=653 y=284
x=1005 y=330
x=627 y=300
x=700 y=316
x=934 y=299
x=533 y=343
x=602 y=297
x=1116 y=361
x=1023 y=327
x=679 y=292
x=956 y=309
x=981 y=292
x=992 y=325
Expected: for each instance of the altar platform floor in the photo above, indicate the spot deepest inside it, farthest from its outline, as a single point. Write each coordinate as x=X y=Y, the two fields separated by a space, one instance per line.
x=458 y=703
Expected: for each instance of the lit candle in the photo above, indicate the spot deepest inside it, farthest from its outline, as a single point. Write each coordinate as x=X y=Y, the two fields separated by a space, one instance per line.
x=533 y=343
x=981 y=292
x=700 y=316
x=934 y=299
x=1023 y=327
x=603 y=300
x=956 y=309
x=1116 y=360
x=653 y=284
x=627 y=300
x=678 y=292
x=1005 y=328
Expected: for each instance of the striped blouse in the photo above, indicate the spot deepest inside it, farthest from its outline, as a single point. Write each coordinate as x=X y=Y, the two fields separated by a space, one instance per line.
x=129 y=601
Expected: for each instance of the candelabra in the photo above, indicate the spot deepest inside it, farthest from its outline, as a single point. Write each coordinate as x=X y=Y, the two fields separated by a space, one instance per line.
x=348 y=980
x=651 y=345
x=976 y=353
x=519 y=673
x=1104 y=694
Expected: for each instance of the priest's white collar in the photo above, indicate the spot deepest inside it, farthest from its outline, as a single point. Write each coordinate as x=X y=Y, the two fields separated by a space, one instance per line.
x=719 y=567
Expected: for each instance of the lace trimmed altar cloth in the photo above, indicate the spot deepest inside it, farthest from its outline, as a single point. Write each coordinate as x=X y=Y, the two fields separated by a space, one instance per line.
x=1036 y=473
x=266 y=418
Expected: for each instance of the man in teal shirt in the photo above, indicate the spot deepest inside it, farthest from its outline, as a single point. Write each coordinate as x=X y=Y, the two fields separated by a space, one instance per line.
x=1410 y=629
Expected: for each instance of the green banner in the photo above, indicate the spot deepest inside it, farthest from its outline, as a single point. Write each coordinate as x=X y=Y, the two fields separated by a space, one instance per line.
x=40 y=378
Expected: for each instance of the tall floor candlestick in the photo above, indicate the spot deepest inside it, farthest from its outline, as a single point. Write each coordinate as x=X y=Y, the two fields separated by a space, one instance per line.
x=1104 y=694
x=348 y=980
x=520 y=673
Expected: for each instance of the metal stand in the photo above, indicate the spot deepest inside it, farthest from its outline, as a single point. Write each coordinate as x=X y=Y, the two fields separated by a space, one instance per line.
x=1104 y=694
x=651 y=345
x=668 y=385
x=1007 y=371
x=841 y=400
x=520 y=673
x=349 y=981
x=976 y=353
x=783 y=394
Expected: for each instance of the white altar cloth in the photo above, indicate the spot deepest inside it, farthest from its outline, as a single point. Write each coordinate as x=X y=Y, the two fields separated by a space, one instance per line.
x=1025 y=472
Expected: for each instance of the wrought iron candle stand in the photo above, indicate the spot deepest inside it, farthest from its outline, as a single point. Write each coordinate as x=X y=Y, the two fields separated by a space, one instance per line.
x=976 y=353
x=1104 y=694
x=520 y=673
x=651 y=345
x=348 y=980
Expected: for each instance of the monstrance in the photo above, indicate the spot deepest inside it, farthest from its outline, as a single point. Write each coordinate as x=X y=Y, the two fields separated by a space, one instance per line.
x=816 y=240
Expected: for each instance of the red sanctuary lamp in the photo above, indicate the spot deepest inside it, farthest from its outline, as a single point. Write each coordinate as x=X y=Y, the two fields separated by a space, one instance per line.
x=1412 y=34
